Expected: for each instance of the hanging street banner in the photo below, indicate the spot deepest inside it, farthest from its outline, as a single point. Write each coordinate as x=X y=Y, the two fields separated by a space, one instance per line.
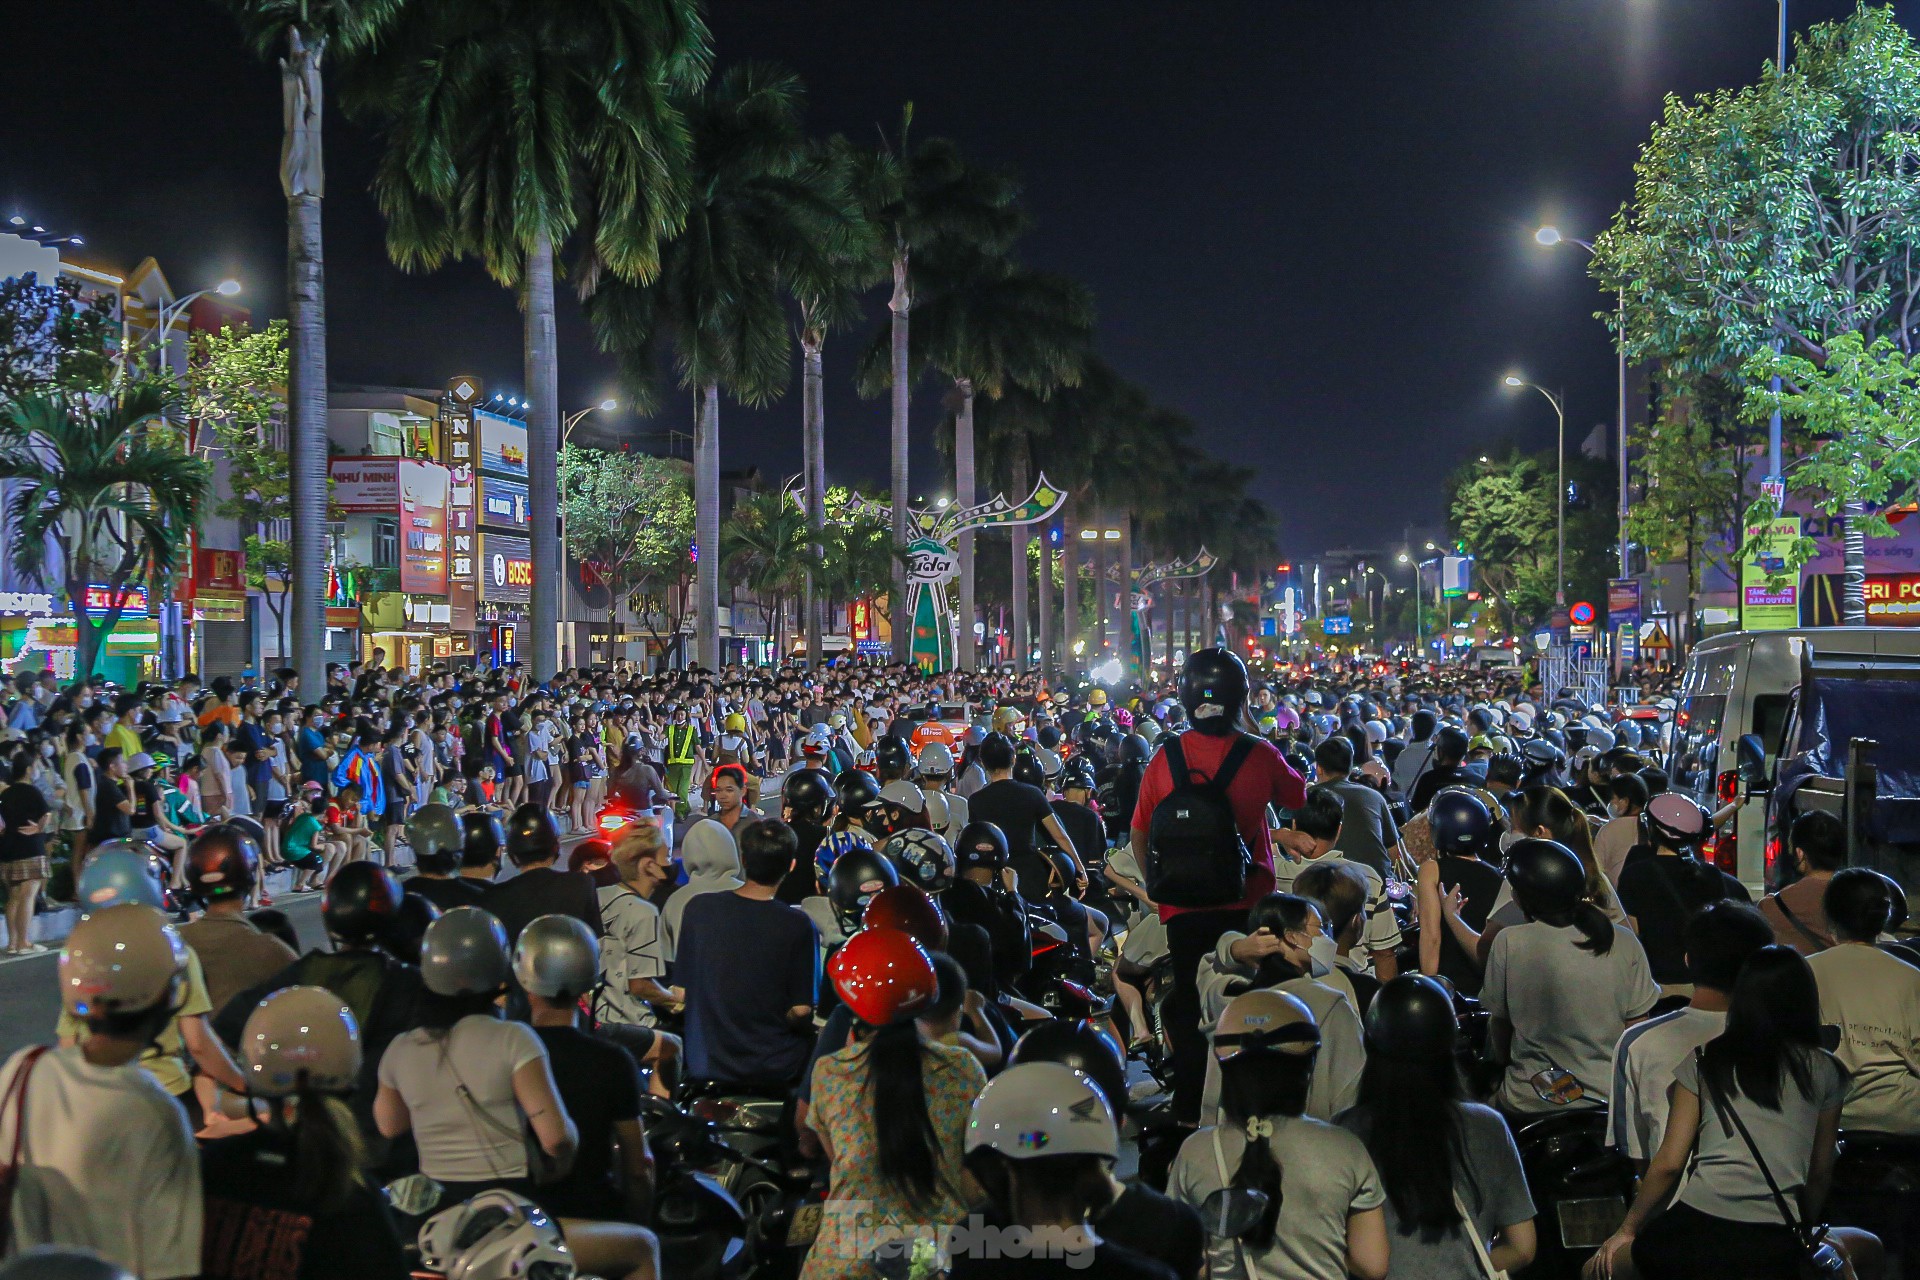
x=1769 y=590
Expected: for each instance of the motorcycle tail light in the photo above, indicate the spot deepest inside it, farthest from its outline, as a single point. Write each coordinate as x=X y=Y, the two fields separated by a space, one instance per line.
x=1727 y=787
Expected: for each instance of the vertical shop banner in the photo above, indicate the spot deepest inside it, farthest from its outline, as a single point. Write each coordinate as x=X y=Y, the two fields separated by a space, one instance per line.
x=1767 y=605
x=1623 y=619
x=423 y=528
x=463 y=557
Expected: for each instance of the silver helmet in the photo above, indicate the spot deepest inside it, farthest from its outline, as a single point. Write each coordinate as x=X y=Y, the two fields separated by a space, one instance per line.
x=556 y=957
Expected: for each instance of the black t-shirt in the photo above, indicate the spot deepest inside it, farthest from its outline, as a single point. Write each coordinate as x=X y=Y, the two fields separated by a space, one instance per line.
x=1158 y=1227
x=800 y=883
x=1479 y=884
x=1660 y=893
x=599 y=1084
x=255 y=1231
x=146 y=800
x=455 y=891
x=109 y=822
x=1082 y=826
x=744 y=964
x=544 y=891
x=1435 y=780
x=1017 y=809
x=984 y=1261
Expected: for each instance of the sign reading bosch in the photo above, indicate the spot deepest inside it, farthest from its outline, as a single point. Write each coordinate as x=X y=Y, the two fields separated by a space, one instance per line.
x=506 y=568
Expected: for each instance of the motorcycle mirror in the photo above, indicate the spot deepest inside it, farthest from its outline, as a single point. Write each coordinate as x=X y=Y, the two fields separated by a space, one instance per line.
x=1557 y=1086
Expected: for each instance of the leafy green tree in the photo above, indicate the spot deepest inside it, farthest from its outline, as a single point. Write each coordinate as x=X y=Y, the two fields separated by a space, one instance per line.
x=236 y=386
x=1693 y=459
x=765 y=219
x=53 y=339
x=630 y=516
x=766 y=546
x=300 y=33
x=858 y=555
x=100 y=478
x=512 y=126
x=1501 y=513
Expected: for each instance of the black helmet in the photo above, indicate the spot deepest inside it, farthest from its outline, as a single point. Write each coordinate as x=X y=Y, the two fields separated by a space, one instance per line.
x=481 y=836
x=1077 y=1043
x=1547 y=877
x=531 y=835
x=362 y=903
x=222 y=862
x=855 y=877
x=808 y=793
x=1078 y=773
x=924 y=859
x=1504 y=766
x=981 y=844
x=857 y=789
x=410 y=926
x=1213 y=689
x=1460 y=823
x=891 y=756
x=1027 y=769
x=1412 y=1020
x=1541 y=754
x=1675 y=820
x=1134 y=749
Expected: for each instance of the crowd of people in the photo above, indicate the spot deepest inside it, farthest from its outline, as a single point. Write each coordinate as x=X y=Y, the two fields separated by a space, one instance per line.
x=1326 y=943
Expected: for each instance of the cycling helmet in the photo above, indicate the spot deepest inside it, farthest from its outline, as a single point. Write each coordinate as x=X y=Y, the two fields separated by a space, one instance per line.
x=300 y=1038
x=1411 y=1019
x=1027 y=769
x=981 y=844
x=853 y=880
x=61 y=1262
x=1265 y=1022
x=222 y=862
x=362 y=903
x=1078 y=1044
x=1675 y=821
x=936 y=760
x=1460 y=823
x=119 y=872
x=556 y=957
x=924 y=859
x=532 y=836
x=857 y=789
x=1547 y=877
x=433 y=833
x=883 y=975
x=481 y=837
x=1123 y=717
x=808 y=794
x=892 y=756
x=497 y=1235
x=123 y=958
x=832 y=847
x=1213 y=689
x=911 y=911
x=1042 y=1109
x=464 y=953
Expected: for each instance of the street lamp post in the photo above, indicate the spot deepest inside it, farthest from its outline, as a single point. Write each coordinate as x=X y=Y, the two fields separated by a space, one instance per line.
x=1551 y=236
x=567 y=424
x=169 y=312
x=1560 y=505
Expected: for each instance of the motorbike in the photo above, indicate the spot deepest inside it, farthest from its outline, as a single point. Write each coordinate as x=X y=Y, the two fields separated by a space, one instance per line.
x=744 y=1151
x=1580 y=1185
x=1876 y=1186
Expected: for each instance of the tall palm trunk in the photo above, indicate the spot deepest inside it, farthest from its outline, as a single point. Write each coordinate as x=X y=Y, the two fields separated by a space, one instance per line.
x=1168 y=602
x=1017 y=582
x=1204 y=638
x=1070 y=581
x=900 y=305
x=963 y=497
x=814 y=433
x=302 y=179
x=543 y=441
x=1046 y=600
x=1125 y=595
x=706 y=526
x=1102 y=588
x=1853 y=600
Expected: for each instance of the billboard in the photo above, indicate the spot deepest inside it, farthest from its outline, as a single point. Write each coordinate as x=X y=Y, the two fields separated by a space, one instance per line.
x=503 y=503
x=365 y=486
x=423 y=528
x=1769 y=591
x=503 y=445
x=506 y=568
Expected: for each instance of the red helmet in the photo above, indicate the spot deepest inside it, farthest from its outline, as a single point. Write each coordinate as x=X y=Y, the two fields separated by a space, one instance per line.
x=883 y=976
x=907 y=908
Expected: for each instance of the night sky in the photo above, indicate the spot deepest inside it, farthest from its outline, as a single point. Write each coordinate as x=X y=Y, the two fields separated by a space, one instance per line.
x=1307 y=224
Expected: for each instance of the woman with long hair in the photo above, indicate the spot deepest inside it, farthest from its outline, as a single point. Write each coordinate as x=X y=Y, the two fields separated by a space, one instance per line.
x=1443 y=1161
x=1282 y=1194
x=1765 y=1078
x=890 y=1109
x=1560 y=987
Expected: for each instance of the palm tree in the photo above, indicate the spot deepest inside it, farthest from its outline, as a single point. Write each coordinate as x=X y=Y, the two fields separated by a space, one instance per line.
x=102 y=478
x=765 y=544
x=765 y=218
x=858 y=556
x=989 y=325
x=512 y=126
x=300 y=33
x=918 y=197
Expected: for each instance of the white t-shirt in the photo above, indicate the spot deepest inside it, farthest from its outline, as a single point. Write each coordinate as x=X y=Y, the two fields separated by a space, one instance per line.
x=1874 y=999
x=108 y=1165
x=459 y=1089
x=633 y=947
x=1379 y=931
x=1643 y=1065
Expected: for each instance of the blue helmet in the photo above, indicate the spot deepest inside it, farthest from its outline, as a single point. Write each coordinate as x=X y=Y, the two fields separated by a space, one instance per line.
x=119 y=872
x=836 y=843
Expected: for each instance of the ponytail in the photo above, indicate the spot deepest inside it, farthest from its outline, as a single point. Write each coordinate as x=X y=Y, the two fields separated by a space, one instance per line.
x=1594 y=927
x=327 y=1153
x=909 y=1149
x=1254 y=1088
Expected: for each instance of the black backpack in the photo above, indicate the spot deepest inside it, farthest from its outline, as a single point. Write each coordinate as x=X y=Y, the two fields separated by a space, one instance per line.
x=1196 y=856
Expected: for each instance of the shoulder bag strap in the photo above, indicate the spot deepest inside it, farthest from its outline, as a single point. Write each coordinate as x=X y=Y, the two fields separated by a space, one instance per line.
x=1819 y=943
x=17 y=1094
x=1178 y=774
x=1487 y=1268
x=1727 y=1112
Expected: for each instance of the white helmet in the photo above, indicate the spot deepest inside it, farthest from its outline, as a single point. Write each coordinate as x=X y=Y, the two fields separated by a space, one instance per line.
x=497 y=1235
x=939 y=812
x=936 y=760
x=1042 y=1109
x=300 y=1038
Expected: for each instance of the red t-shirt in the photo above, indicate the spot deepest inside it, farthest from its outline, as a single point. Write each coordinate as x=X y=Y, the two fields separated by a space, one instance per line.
x=1264 y=778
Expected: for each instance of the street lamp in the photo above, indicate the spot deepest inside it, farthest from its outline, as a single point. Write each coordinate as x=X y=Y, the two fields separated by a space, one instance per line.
x=1551 y=236
x=170 y=312
x=1560 y=506
x=572 y=420
x=567 y=425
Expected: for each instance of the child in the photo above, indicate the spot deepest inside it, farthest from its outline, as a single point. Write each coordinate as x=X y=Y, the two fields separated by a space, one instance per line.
x=488 y=787
x=345 y=824
x=304 y=843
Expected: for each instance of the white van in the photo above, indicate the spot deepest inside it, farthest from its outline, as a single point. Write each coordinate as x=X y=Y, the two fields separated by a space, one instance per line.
x=1744 y=682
